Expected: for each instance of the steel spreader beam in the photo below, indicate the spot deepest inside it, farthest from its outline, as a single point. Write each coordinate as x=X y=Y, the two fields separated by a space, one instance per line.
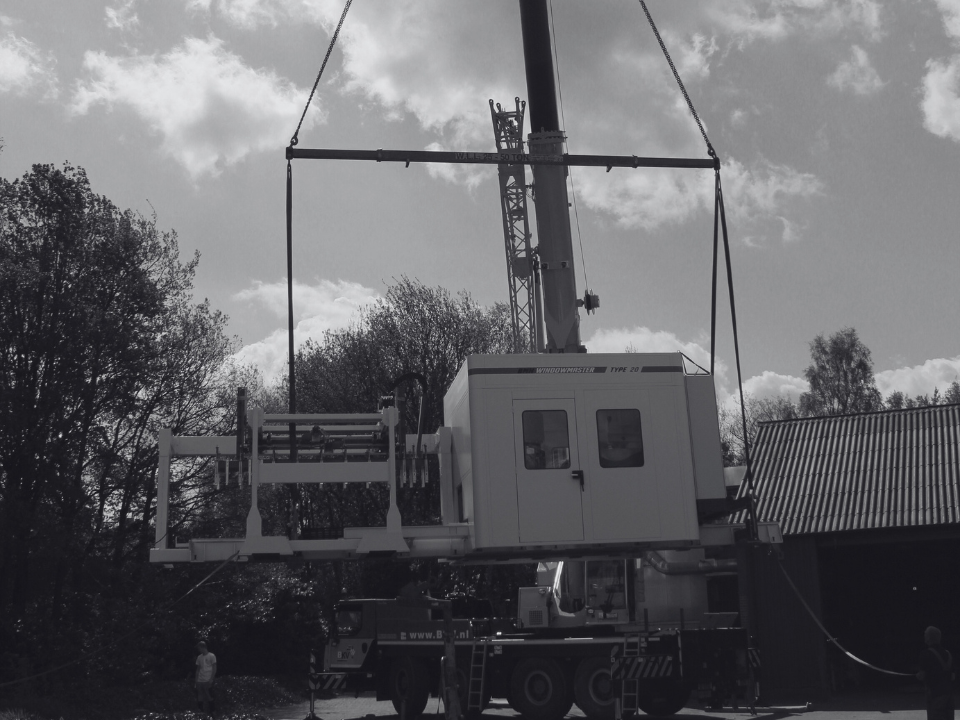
x=499 y=158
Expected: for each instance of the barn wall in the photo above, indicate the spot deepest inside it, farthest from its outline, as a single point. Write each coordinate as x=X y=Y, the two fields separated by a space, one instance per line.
x=879 y=591
x=792 y=647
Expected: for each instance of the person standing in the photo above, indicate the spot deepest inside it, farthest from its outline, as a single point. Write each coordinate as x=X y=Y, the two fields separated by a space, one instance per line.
x=206 y=674
x=936 y=673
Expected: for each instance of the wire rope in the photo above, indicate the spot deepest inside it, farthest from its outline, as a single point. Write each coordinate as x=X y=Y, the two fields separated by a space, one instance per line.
x=333 y=41
x=719 y=214
x=832 y=639
x=676 y=75
x=720 y=219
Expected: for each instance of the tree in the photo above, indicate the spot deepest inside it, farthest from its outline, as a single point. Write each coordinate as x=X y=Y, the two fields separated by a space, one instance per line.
x=901 y=401
x=758 y=410
x=840 y=376
x=415 y=328
x=100 y=345
x=952 y=395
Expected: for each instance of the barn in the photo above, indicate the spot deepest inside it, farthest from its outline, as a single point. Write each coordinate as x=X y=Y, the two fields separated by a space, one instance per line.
x=869 y=507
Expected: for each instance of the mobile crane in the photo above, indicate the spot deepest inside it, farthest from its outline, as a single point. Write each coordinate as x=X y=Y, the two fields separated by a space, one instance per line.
x=604 y=468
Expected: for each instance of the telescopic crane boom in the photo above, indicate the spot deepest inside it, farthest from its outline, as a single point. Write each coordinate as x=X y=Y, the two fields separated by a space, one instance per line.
x=561 y=319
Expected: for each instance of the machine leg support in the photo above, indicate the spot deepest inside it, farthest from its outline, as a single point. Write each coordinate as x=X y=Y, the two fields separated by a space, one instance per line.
x=312 y=715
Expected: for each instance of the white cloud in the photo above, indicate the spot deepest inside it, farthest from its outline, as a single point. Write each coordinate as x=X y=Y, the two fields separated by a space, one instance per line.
x=912 y=381
x=652 y=198
x=434 y=60
x=773 y=20
x=439 y=62
x=764 y=189
x=863 y=15
x=429 y=58
x=122 y=16
x=318 y=308
x=250 y=14
x=941 y=84
x=769 y=384
x=644 y=340
x=950 y=10
x=24 y=67
x=920 y=379
x=856 y=74
x=941 y=98
x=742 y=19
x=791 y=230
x=692 y=56
x=468 y=175
x=210 y=109
x=646 y=198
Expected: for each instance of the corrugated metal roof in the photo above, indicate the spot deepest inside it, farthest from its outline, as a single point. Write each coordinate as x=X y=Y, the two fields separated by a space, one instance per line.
x=899 y=468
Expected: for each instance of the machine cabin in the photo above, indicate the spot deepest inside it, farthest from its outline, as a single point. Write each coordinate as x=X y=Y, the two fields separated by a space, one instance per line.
x=582 y=451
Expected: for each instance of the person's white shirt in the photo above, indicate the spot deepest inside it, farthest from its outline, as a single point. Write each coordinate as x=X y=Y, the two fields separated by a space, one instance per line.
x=206 y=667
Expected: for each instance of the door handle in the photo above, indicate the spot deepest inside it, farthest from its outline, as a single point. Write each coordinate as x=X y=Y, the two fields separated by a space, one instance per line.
x=577 y=475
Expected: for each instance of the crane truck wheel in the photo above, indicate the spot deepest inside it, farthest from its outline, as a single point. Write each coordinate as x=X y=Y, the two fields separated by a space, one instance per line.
x=538 y=690
x=409 y=681
x=663 y=698
x=593 y=688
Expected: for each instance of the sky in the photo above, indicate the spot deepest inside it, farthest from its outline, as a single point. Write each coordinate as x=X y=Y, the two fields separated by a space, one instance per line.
x=837 y=125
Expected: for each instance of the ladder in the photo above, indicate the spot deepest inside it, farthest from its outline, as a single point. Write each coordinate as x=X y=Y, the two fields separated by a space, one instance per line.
x=478 y=668
x=630 y=683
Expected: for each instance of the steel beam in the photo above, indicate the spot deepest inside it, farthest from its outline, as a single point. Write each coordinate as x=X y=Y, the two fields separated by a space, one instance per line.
x=499 y=158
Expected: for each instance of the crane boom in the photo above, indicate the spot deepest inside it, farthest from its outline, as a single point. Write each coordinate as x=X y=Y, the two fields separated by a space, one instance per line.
x=521 y=262
x=554 y=238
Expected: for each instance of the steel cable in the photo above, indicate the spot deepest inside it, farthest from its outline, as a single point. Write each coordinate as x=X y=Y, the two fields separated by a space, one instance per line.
x=676 y=75
x=333 y=41
x=827 y=633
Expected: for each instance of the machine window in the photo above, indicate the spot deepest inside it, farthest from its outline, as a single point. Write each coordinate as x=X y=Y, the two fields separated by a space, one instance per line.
x=606 y=585
x=349 y=621
x=619 y=438
x=546 y=442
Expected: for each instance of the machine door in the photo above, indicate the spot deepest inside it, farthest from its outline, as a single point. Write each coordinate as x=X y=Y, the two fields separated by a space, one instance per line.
x=549 y=491
x=623 y=435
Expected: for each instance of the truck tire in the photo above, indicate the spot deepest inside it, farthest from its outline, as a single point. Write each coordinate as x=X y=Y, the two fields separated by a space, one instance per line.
x=409 y=680
x=538 y=690
x=662 y=698
x=594 y=689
